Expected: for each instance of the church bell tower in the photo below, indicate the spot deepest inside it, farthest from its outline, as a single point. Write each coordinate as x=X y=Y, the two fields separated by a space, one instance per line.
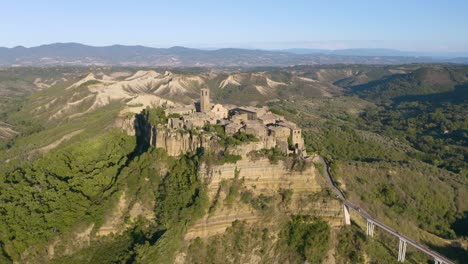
x=205 y=105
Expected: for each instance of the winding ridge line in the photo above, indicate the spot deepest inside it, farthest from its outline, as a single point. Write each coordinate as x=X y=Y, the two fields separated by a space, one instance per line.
x=339 y=194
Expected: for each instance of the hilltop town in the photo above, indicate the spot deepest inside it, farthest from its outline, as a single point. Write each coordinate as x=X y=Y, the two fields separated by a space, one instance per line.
x=270 y=129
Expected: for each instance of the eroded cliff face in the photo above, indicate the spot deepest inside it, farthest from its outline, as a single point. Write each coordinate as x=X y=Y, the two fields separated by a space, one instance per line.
x=128 y=124
x=261 y=178
x=177 y=142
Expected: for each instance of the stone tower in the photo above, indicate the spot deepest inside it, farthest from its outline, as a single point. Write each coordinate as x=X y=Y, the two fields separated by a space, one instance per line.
x=297 y=139
x=205 y=105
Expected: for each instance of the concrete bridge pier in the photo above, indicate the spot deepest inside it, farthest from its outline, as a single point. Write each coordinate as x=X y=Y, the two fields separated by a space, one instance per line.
x=346 y=215
x=370 y=228
x=402 y=250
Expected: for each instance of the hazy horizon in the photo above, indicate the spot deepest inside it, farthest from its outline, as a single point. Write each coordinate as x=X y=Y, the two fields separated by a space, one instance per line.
x=293 y=49
x=417 y=26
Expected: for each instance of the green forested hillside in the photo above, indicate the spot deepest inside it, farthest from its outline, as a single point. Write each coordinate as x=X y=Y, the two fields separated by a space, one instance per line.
x=422 y=81
x=438 y=129
x=62 y=188
x=426 y=108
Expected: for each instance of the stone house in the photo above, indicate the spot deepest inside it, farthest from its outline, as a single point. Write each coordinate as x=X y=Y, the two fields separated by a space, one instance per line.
x=279 y=132
x=295 y=133
x=256 y=128
x=268 y=142
x=219 y=111
x=270 y=118
x=182 y=110
x=198 y=120
x=252 y=112
x=232 y=128
x=258 y=131
x=239 y=118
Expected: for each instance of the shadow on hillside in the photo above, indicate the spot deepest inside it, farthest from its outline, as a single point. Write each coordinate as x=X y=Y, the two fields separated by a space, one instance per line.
x=454 y=252
x=143 y=135
x=458 y=95
x=460 y=226
x=362 y=88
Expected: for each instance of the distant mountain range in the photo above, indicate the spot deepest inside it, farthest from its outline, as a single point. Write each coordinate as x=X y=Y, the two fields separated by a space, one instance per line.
x=379 y=52
x=119 y=55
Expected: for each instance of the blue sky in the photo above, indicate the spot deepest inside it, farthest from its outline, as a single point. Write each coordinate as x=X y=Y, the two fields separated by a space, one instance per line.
x=406 y=25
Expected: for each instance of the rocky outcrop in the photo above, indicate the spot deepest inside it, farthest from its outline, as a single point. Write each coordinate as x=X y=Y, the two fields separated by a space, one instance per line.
x=217 y=222
x=128 y=124
x=178 y=142
x=263 y=177
x=246 y=148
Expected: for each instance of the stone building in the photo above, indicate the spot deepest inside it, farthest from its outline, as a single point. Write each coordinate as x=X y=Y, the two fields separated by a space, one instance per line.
x=232 y=128
x=252 y=112
x=256 y=128
x=182 y=110
x=270 y=118
x=295 y=133
x=239 y=118
x=219 y=111
x=279 y=132
x=198 y=120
